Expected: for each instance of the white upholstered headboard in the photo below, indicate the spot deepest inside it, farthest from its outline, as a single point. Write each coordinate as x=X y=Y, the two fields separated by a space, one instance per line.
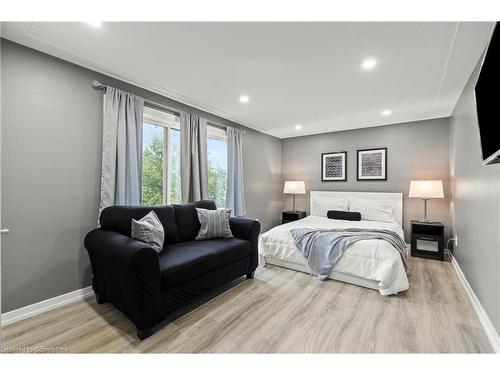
x=319 y=200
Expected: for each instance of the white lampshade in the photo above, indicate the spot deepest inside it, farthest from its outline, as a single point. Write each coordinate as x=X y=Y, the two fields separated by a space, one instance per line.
x=426 y=189
x=294 y=187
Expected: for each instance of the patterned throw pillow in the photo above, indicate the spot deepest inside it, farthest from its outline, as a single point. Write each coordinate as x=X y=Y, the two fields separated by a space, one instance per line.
x=150 y=230
x=214 y=224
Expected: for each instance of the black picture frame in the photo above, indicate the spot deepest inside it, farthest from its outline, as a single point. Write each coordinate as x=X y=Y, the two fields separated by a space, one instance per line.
x=336 y=179
x=383 y=176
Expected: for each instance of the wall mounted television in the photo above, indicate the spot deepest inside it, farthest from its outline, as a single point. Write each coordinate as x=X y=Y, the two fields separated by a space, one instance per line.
x=487 y=92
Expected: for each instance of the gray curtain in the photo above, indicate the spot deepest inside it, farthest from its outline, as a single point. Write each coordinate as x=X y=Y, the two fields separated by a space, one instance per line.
x=235 y=193
x=121 y=149
x=194 y=165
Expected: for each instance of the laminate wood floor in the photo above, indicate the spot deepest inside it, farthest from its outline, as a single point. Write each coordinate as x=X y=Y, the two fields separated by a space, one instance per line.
x=279 y=311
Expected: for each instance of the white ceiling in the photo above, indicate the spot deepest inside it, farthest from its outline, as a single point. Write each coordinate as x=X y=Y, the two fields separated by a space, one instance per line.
x=294 y=73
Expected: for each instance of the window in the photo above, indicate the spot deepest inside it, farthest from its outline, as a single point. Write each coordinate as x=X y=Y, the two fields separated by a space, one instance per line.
x=217 y=165
x=160 y=175
x=161 y=160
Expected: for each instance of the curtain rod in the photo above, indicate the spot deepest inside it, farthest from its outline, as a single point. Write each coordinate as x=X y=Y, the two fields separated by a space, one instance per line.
x=99 y=86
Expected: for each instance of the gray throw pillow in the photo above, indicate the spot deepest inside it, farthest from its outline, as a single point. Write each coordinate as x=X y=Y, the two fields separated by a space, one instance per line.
x=150 y=230
x=214 y=224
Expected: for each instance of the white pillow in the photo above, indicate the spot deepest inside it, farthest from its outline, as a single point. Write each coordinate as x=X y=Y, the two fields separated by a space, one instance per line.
x=320 y=205
x=375 y=210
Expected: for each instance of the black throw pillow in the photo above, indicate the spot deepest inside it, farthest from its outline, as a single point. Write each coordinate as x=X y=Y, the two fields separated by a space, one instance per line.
x=344 y=215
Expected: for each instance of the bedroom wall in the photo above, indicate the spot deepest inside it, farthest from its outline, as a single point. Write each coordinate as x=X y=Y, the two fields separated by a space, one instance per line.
x=416 y=150
x=475 y=204
x=51 y=152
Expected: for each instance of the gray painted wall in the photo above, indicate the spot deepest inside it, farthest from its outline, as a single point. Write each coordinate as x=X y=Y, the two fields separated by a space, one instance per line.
x=414 y=150
x=475 y=205
x=51 y=151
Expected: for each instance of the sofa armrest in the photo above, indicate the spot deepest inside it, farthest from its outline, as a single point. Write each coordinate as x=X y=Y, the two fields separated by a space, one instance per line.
x=247 y=229
x=126 y=272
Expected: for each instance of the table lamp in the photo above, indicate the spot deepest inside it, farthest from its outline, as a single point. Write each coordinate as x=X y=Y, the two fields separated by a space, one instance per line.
x=294 y=188
x=426 y=189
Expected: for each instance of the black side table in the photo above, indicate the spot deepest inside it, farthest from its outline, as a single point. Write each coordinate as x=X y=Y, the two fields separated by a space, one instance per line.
x=288 y=216
x=427 y=240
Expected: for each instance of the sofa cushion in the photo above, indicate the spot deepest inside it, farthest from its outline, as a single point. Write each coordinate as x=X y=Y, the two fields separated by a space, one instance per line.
x=187 y=218
x=214 y=224
x=150 y=230
x=185 y=261
x=119 y=219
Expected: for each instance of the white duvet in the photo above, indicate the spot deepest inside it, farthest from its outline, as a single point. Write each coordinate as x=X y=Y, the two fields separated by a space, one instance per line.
x=374 y=260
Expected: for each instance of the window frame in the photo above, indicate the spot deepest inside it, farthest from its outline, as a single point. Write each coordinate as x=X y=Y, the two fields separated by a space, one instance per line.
x=162 y=118
x=216 y=132
x=158 y=117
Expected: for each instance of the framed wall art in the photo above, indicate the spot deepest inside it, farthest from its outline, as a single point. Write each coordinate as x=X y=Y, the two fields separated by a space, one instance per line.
x=334 y=166
x=372 y=164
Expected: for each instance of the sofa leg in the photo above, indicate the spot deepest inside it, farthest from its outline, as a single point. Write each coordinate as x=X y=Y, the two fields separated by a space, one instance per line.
x=144 y=333
x=250 y=275
x=99 y=299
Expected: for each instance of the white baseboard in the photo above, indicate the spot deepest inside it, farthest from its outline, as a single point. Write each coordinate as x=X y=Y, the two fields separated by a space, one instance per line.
x=46 y=305
x=483 y=317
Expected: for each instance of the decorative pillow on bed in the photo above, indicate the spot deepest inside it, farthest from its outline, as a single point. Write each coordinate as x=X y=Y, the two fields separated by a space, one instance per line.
x=375 y=210
x=150 y=230
x=214 y=224
x=343 y=215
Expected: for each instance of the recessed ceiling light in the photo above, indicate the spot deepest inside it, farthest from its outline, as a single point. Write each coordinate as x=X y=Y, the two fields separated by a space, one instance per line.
x=369 y=64
x=386 y=112
x=298 y=126
x=244 y=99
x=94 y=23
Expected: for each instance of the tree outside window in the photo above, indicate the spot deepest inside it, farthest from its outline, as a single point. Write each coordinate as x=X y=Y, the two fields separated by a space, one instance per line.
x=152 y=165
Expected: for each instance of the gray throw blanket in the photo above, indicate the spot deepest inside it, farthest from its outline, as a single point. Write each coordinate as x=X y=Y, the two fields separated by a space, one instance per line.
x=323 y=248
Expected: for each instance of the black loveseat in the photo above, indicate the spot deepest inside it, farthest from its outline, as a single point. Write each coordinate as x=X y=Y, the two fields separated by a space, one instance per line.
x=147 y=286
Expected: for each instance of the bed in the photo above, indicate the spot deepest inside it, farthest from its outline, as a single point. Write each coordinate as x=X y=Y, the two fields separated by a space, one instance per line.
x=373 y=263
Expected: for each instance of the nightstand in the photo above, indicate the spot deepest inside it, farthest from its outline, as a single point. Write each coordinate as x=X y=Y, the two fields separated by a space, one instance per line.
x=288 y=216
x=427 y=240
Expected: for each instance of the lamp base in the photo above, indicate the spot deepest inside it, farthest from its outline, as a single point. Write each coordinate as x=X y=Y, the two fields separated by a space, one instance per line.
x=425 y=219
